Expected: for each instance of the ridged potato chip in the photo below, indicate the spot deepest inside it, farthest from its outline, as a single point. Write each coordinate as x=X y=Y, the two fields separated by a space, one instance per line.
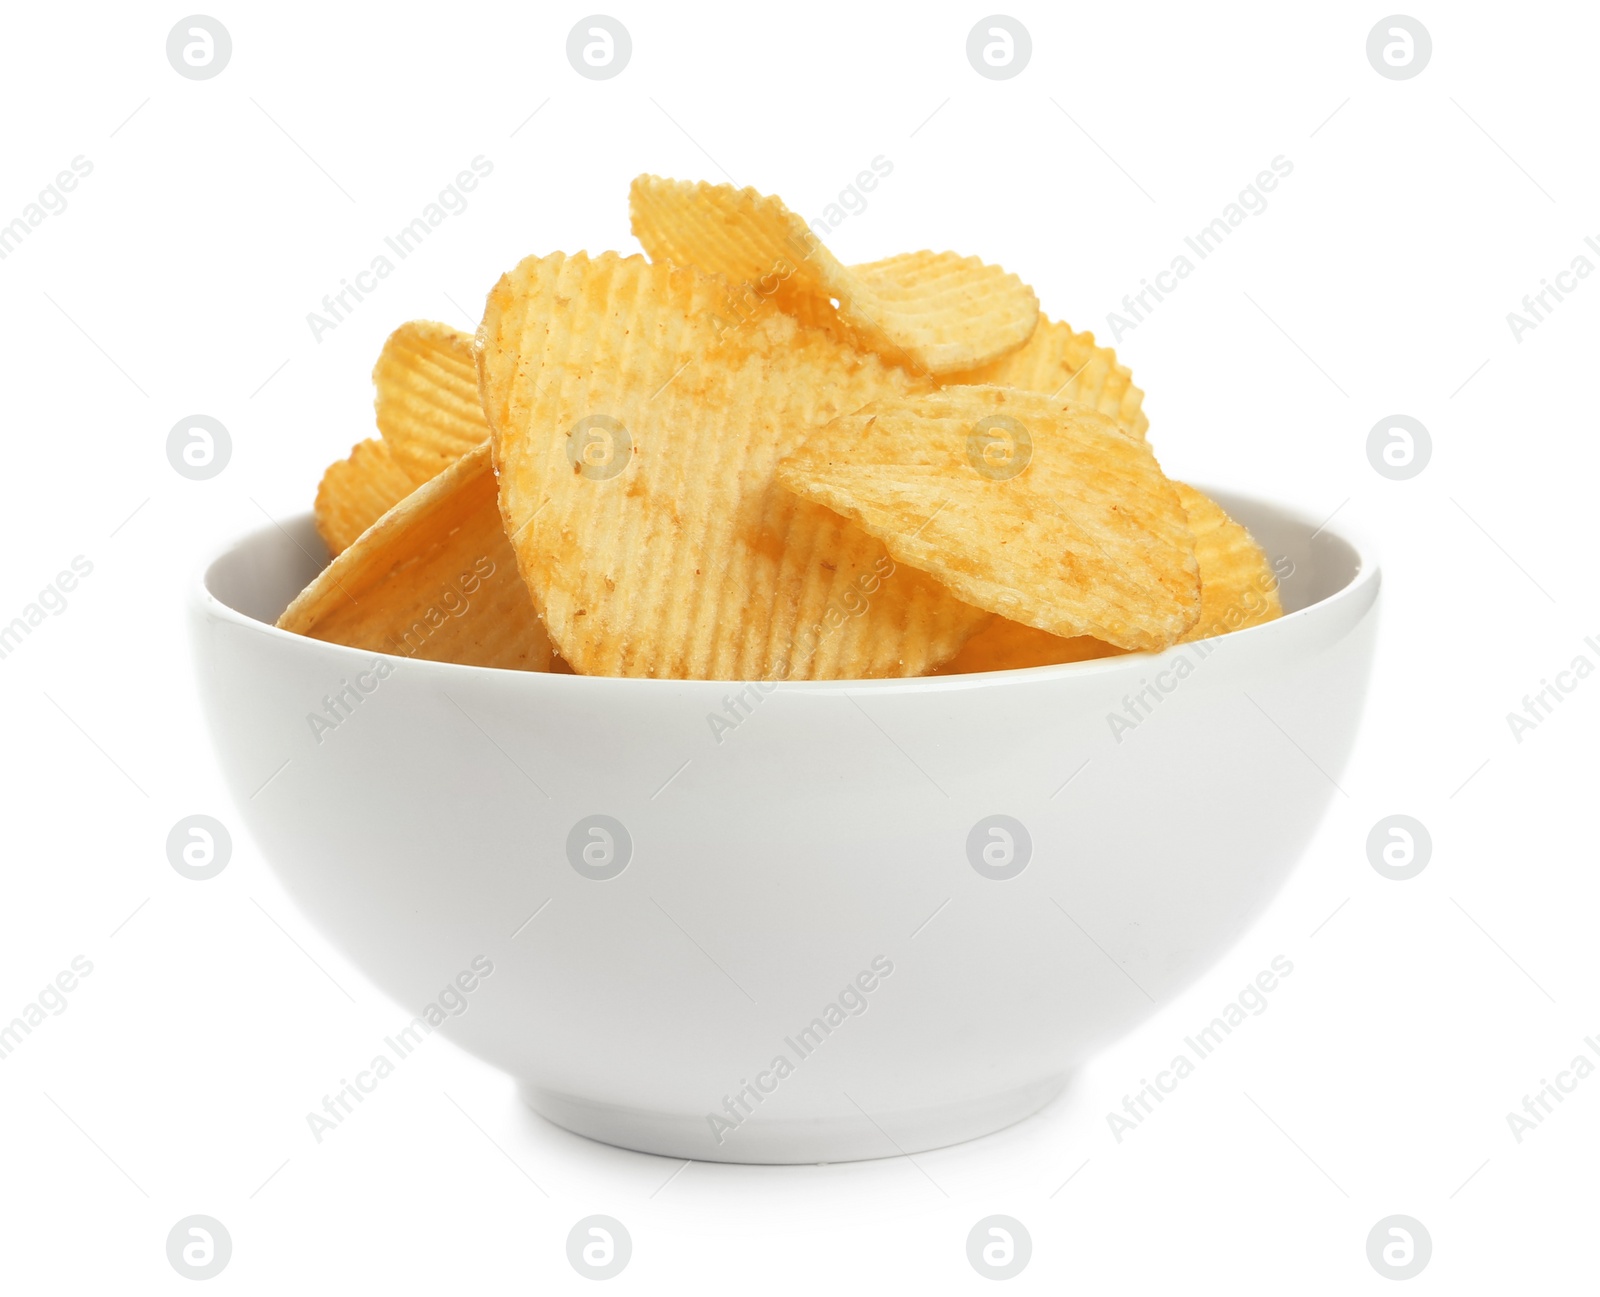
x=1043 y=511
x=1005 y=645
x=637 y=446
x=433 y=578
x=428 y=412
x=355 y=492
x=1238 y=587
x=426 y=382
x=1067 y=365
x=934 y=312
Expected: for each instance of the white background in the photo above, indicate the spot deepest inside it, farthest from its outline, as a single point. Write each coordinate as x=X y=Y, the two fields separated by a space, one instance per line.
x=1378 y=281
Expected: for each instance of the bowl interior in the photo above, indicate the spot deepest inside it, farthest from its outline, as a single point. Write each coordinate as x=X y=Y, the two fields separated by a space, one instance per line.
x=261 y=574
x=1323 y=563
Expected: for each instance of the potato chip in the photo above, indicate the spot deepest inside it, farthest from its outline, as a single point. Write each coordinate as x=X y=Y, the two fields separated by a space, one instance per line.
x=355 y=492
x=1238 y=587
x=1005 y=645
x=427 y=397
x=941 y=308
x=934 y=312
x=1043 y=511
x=429 y=415
x=637 y=443
x=433 y=578
x=1068 y=365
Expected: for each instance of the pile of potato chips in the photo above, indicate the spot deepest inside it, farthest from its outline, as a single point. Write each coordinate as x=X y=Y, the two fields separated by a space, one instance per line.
x=743 y=460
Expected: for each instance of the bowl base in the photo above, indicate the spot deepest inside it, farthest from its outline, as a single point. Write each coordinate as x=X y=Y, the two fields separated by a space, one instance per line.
x=793 y=1140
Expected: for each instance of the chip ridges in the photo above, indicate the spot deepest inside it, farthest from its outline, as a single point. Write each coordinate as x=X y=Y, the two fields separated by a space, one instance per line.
x=953 y=308
x=1077 y=533
x=1238 y=587
x=426 y=402
x=355 y=492
x=1062 y=363
x=933 y=312
x=426 y=397
x=688 y=561
x=744 y=460
x=433 y=578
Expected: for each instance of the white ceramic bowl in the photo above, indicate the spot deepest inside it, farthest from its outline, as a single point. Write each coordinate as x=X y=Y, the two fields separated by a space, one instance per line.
x=803 y=889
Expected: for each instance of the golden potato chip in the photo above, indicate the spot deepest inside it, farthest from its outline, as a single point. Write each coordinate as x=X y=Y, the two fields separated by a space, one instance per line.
x=1068 y=365
x=429 y=415
x=355 y=492
x=1238 y=587
x=934 y=312
x=1005 y=645
x=433 y=578
x=427 y=397
x=1043 y=511
x=637 y=450
x=941 y=308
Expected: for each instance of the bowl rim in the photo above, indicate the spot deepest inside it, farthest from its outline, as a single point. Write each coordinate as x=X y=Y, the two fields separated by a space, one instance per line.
x=1361 y=585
